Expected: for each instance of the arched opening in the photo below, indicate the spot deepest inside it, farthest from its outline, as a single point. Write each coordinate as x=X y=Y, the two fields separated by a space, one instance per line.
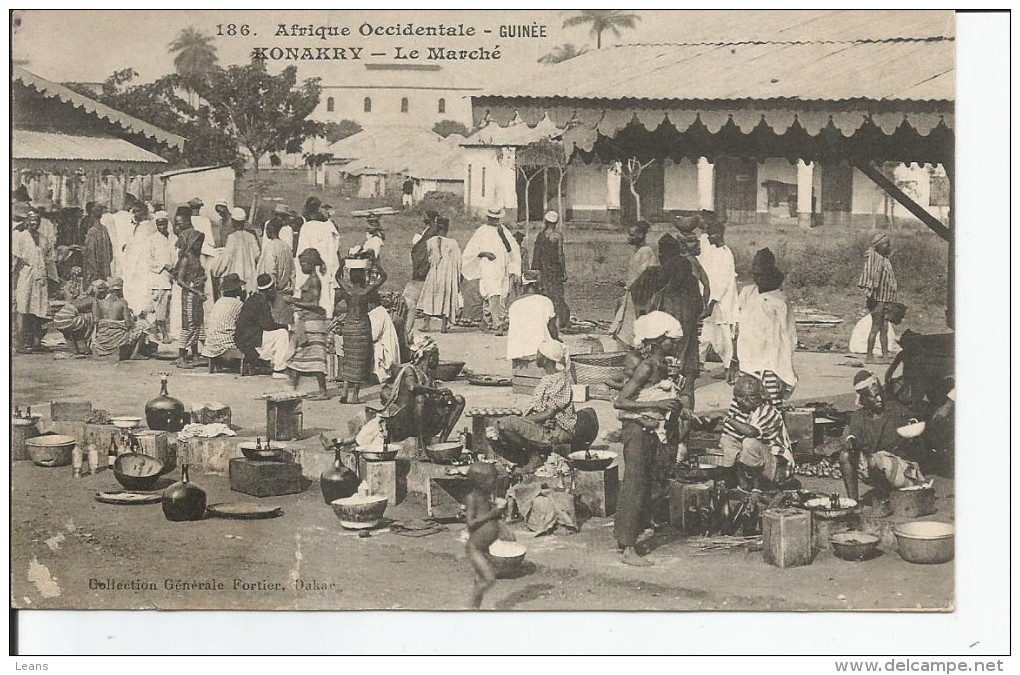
x=404 y=105
x=442 y=105
x=368 y=104
x=330 y=105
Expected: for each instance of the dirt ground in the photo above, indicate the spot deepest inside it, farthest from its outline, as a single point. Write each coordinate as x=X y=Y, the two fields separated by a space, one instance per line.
x=65 y=545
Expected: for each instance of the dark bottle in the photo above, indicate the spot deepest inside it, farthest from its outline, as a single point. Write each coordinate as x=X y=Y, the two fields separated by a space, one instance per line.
x=834 y=501
x=164 y=413
x=338 y=482
x=183 y=500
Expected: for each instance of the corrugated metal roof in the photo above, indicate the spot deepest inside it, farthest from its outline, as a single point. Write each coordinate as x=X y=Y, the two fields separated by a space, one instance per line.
x=772 y=63
x=513 y=135
x=121 y=119
x=381 y=141
x=44 y=145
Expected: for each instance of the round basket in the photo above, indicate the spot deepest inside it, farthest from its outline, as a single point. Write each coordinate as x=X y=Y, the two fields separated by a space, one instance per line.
x=598 y=368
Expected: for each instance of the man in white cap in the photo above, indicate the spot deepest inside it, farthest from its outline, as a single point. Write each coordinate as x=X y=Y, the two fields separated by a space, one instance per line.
x=135 y=273
x=221 y=228
x=532 y=319
x=240 y=255
x=493 y=257
x=210 y=250
x=258 y=335
x=161 y=257
x=551 y=263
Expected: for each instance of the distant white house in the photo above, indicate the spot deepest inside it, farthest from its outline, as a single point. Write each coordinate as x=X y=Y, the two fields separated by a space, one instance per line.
x=391 y=94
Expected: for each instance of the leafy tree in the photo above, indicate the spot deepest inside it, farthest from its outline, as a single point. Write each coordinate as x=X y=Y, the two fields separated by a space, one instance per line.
x=602 y=20
x=449 y=127
x=562 y=53
x=158 y=103
x=195 y=56
x=266 y=114
x=337 y=131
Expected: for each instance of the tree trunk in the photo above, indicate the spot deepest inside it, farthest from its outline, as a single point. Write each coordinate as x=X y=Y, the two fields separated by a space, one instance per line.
x=527 y=202
x=545 y=190
x=559 y=198
x=256 y=196
x=631 y=183
x=598 y=40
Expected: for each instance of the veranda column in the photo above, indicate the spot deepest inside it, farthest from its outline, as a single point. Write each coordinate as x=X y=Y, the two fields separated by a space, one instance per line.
x=706 y=185
x=805 y=182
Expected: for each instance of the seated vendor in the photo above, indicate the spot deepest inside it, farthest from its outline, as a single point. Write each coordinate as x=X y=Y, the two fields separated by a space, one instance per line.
x=222 y=324
x=532 y=319
x=549 y=419
x=412 y=404
x=871 y=450
x=75 y=319
x=116 y=330
x=754 y=439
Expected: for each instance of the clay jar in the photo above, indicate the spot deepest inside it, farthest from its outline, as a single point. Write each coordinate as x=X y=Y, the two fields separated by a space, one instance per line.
x=338 y=482
x=164 y=413
x=183 y=500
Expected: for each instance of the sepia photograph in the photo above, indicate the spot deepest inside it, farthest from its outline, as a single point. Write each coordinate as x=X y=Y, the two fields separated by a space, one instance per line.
x=584 y=310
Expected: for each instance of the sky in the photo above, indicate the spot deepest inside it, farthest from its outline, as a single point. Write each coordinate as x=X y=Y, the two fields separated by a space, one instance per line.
x=89 y=45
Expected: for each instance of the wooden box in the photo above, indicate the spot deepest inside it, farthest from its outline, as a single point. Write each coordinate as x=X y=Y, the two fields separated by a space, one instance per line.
x=284 y=419
x=70 y=411
x=598 y=490
x=265 y=479
x=526 y=376
x=97 y=439
x=787 y=538
x=446 y=497
x=683 y=497
x=800 y=424
x=209 y=454
x=383 y=479
x=157 y=444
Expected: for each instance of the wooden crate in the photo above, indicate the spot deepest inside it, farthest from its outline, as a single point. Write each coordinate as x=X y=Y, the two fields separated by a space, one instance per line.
x=787 y=537
x=70 y=411
x=383 y=479
x=265 y=479
x=598 y=490
x=159 y=445
x=684 y=496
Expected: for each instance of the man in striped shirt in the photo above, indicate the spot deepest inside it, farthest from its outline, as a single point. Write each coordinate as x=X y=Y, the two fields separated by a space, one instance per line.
x=754 y=438
x=879 y=282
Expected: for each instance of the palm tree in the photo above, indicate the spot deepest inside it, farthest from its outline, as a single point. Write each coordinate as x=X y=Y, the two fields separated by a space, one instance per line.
x=562 y=53
x=602 y=20
x=196 y=56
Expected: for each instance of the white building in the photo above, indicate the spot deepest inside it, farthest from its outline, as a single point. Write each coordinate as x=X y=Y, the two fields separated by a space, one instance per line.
x=394 y=94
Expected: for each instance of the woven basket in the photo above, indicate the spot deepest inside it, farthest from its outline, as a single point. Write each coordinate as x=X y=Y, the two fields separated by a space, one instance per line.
x=598 y=368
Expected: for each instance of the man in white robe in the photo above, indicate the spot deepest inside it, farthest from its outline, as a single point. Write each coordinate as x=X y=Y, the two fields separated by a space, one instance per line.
x=121 y=230
x=209 y=250
x=136 y=274
x=321 y=235
x=717 y=260
x=492 y=256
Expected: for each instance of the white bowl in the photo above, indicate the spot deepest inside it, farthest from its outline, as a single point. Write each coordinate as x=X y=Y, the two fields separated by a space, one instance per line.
x=126 y=422
x=359 y=512
x=911 y=430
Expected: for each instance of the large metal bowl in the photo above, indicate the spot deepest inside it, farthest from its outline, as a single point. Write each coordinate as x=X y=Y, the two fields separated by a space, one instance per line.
x=359 y=512
x=598 y=460
x=854 y=546
x=136 y=471
x=256 y=452
x=387 y=455
x=926 y=542
x=126 y=422
x=506 y=557
x=449 y=370
x=444 y=453
x=51 y=449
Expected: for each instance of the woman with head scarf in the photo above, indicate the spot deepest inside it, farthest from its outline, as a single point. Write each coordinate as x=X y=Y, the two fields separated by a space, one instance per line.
x=549 y=419
x=644 y=257
x=189 y=282
x=310 y=326
x=356 y=327
x=649 y=405
x=766 y=333
x=76 y=318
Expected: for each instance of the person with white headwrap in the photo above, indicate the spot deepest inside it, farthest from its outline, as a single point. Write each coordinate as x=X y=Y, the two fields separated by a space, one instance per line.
x=492 y=256
x=645 y=415
x=549 y=419
x=161 y=257
x=871 y=449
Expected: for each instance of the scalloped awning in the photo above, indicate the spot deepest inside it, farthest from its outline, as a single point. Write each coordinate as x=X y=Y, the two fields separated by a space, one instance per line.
x=126 y=122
